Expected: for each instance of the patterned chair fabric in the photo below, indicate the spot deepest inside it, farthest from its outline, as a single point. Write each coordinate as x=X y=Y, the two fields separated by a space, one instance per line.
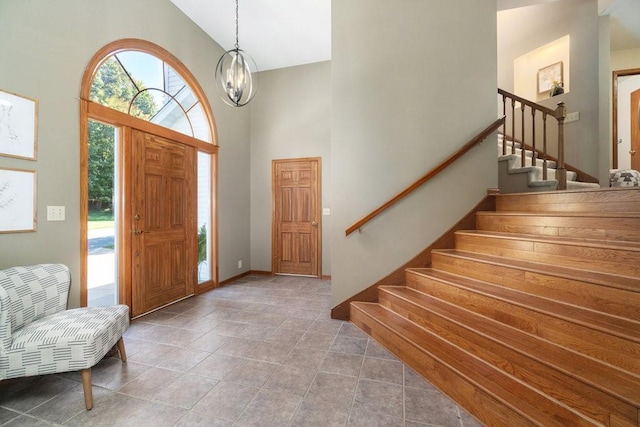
x=38 y=336
x=624 y=178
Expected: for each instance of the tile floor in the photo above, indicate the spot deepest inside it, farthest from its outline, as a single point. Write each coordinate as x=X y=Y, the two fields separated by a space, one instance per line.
x=262 y=351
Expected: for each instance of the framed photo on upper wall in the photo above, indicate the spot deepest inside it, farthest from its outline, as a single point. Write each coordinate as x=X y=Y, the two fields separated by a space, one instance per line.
x=18 y=126
x=17 y=200
x=548 y=76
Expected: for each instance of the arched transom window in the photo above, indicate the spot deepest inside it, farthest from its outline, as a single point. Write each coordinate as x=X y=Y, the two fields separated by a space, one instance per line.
x=146 y=87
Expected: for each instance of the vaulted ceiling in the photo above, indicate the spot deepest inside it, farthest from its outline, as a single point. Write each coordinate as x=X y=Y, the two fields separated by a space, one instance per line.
x=284 y=33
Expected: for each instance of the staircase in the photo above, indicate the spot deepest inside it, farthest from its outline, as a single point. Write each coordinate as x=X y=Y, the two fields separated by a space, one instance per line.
x=514 y=178
x=533 y=319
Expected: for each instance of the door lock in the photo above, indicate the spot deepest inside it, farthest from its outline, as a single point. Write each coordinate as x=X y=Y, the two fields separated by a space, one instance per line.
x=136 y=231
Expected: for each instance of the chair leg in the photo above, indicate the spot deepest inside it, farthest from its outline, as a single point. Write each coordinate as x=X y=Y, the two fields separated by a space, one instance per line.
x=123 y=354
x=86 y=386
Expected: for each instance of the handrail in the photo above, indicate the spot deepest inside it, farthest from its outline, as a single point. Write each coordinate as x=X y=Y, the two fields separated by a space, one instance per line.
x=525 y=101
x=433 y=172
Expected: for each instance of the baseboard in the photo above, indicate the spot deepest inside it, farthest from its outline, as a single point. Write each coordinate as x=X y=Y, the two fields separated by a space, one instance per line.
x=423 y=259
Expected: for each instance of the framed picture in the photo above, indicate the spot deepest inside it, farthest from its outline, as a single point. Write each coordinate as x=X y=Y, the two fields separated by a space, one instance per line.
x=548 y=75
x=17 y=200
x=18 y=126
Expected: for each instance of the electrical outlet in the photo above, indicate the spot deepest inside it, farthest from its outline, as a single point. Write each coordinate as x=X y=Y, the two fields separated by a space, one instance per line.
x=326 y=211
x=572 y=117
x=239 y=263
x=55 y=213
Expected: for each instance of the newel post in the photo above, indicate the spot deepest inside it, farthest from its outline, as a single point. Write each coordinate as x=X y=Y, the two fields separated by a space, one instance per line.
x=561 y=172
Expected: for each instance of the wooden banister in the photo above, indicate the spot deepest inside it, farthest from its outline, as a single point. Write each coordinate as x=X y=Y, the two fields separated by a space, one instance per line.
x=433 y=172
x=559 y=114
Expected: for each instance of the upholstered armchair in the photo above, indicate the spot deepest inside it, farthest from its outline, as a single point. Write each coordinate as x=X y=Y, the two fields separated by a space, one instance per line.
x=39 y=336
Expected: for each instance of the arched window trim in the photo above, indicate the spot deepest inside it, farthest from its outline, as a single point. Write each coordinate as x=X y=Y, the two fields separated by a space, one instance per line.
x=90 y=110
x=147 y=47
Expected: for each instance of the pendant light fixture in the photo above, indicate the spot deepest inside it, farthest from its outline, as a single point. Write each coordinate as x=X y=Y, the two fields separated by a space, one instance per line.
x=236 y=74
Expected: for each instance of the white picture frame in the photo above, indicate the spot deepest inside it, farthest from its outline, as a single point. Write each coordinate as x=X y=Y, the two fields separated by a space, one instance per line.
x=17 y=200
x=548 y=75
x=18 y=126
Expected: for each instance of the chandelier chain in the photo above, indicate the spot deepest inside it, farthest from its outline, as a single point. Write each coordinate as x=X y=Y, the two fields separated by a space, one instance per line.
x=237 y=39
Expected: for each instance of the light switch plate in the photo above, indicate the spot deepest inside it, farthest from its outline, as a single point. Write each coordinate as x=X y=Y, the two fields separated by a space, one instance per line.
x=326 y=211
x=55 y=213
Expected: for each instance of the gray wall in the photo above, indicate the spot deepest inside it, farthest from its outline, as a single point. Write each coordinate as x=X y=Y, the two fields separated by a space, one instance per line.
x=411 y=82
x=525 y=29
x=290 y=118
x=45 y=47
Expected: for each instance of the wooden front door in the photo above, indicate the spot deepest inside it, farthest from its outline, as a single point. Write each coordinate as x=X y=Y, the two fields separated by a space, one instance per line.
x=635 y=130
x=163 y=205
x=296 y=217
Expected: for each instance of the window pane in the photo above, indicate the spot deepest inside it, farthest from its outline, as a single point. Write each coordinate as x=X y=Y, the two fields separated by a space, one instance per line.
x=112 y=87
x=102 y=286
x=204 y=217
x=199 y=123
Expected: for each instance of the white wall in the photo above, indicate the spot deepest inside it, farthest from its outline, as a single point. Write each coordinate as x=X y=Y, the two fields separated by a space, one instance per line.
x=45 y=47
x=628 y=59
x=523 y=30
x=290 y=118
x=411 y=82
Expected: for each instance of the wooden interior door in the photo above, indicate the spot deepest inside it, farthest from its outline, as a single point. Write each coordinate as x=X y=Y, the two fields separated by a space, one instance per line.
x=296 y=218
x=163 y=232
x=635 y=130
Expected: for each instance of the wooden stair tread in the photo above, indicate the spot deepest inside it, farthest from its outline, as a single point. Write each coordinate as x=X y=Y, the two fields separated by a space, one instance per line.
x=575 y=241
x=613 y=215
x=602 y=279
x=511 y=392
x=621 y=327
x=611 y=380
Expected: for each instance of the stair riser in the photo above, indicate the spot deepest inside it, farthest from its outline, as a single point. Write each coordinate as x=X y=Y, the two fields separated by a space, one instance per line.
x=611 y=201
x=617 y=302
x=621 y=229
x=607 y=348
x=587 y=399
x=623 y=262
x=487 y=408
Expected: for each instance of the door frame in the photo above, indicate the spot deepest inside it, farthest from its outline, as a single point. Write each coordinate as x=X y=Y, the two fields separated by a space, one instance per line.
x=614 y=124
x=124 y=123
x=274 y=236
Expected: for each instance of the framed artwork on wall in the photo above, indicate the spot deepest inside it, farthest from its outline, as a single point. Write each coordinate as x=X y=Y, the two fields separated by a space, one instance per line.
x=549 y=76
x=17 y=200
x=18 y=126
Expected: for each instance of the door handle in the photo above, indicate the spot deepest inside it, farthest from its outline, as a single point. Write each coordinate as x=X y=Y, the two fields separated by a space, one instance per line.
x=136 y=231
x=314 y=224
x=632 y=152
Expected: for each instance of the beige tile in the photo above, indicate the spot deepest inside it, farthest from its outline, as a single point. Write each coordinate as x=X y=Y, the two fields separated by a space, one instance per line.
x=285 y=336
x=152 y=414
x=209 y=341
x=216 y=366
x=350 y=330
x=296 y=324
x=314 y=414
x=113 y=373
x=305 y=358
x=331 y=390
x=431 y=407
x=230 y=329
x=239 y=347
x=257 y=332
x=226 y=401
x=271 y=352
x=389 y=371
x=330 y=327
x=6 y=415
x=35 y=393
x=27 y=421
x=343 y=364
x=379 y=398
x=68 y=404
x=112 y=410
x=269 y=408
x=290 y=380
x=150 y=353
x=150 y=383
x=186 y=391
x=349 y=345
x=195 y=419
x=360 y=418
x=468 y=420
x=316 y=341
x=251 y=372
x=376 y=350
x=183 y=359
